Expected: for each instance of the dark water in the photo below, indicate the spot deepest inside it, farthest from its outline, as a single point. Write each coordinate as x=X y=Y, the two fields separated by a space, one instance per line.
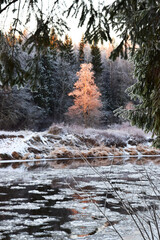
x=79 y=203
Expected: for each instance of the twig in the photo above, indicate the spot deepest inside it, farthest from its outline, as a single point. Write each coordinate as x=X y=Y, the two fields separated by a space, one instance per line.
x=3 y=9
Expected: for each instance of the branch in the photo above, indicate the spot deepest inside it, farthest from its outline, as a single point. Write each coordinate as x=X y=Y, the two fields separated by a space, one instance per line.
x=1 y=10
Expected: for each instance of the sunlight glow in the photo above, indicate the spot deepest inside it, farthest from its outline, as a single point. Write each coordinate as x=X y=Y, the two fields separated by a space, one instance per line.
x=6 y=19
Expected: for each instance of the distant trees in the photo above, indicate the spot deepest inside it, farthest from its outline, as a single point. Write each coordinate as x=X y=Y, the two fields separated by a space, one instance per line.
x=116 y=78
x=66 y=48
x=137 y=25
x=55 y=77
x=50 y=69
x=19 y=111
x=136 y=22
x=86 y=96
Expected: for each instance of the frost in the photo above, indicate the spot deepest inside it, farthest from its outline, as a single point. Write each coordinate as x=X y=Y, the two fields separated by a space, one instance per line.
x=30 y=150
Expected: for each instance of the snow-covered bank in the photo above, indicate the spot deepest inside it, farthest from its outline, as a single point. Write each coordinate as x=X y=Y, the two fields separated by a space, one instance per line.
x=72 y=142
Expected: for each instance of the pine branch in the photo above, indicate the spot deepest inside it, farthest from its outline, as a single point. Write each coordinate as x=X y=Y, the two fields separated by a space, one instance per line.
x=3 y=9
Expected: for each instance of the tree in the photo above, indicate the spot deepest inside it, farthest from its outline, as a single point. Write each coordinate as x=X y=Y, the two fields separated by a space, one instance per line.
x=67 y=77
x=86 y=97
x=12 y=62
x=55 y=78
x=81 y=50
x=54 y=42
x=66 y=48
x=115 y=79
x=46 y=92
x=18 y=110
x=96 y=60
x=137 y=25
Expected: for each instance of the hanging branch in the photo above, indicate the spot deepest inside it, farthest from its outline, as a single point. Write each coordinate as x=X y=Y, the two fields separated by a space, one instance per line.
x=3 y=9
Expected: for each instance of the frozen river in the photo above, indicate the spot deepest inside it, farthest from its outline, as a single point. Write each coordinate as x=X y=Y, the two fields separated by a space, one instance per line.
x=80 y=203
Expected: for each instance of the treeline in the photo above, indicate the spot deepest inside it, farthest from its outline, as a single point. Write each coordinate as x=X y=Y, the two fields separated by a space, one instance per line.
x=46 y=68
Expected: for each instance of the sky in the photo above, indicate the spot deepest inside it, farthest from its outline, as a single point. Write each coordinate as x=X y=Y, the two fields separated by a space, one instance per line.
x=75 y=33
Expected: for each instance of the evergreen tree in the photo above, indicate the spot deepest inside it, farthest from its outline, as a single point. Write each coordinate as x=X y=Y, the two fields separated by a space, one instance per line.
x=137 y=24
x=96 y=60
x=81 y=50
x=45 y=95
x=86 y=97
x=55 y=74
x=12 y=62
x=67 y=72
x=66 y=49
x=54 y=42
x=56 y=77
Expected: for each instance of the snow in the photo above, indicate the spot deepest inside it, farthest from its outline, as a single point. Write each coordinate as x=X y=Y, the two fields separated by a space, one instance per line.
x=28 y=146
x=14 y=144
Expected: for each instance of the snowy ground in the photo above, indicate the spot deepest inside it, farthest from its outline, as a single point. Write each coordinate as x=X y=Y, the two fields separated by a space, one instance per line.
x=76 y=142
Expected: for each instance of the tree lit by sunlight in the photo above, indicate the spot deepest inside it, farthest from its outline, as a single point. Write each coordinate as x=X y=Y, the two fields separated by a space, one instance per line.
x=86 y=95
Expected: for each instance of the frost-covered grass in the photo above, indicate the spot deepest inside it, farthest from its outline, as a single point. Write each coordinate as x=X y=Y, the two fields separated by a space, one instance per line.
x=117 y=129
x=69 y=141
x=127 y=128
x=118 y=133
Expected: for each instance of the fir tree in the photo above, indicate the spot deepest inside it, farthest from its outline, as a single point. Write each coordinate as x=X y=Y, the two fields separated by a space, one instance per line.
x=12 y=62
x=45 y=95
x=96 y=60
x=66 y=48
x=54 y=42
x=81 y=50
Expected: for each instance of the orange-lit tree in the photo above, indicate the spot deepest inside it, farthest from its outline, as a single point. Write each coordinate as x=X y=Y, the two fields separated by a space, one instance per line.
x=87 y=103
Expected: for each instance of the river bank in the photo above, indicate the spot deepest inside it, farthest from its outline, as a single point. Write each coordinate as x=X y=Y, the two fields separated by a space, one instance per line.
x=68 y=146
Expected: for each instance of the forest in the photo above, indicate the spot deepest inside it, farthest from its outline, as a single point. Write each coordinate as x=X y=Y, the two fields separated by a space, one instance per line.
x=51 y=72
x=79 y=120
x=23 y=62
